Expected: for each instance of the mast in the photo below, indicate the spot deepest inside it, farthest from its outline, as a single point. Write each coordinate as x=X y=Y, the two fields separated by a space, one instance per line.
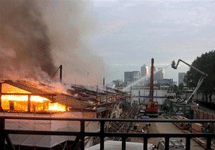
x=151 y=81
x=61 y=72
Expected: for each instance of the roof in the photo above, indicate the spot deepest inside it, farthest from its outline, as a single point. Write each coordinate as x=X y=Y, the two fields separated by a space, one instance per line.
x=56 y=92
x=34 y=88
x=71 y=101
x=84 y=89
x=52 y=93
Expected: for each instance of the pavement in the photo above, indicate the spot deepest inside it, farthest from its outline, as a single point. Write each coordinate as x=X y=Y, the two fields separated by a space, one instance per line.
x=163 y=128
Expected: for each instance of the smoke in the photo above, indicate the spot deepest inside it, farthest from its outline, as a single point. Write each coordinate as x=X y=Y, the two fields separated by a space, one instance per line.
x=24 y=44
x=36 y=36
x=72 y=25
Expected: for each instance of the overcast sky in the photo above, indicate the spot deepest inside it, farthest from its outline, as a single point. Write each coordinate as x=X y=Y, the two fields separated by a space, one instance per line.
x=130 y=33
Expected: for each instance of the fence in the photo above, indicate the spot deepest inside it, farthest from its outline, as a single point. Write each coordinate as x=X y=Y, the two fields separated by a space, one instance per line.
x=80 y=135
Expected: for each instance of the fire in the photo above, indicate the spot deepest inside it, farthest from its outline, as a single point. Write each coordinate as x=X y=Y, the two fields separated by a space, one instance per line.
x=6 y=88
x=38 y=99
x=14 y=98
x=20 y=102
x=56 y=107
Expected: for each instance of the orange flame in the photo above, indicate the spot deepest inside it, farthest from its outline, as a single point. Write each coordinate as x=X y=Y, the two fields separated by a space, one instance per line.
x=56 y=107
x=20 y=102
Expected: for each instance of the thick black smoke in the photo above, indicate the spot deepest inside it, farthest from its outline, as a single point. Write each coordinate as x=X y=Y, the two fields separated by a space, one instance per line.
x=72 y=26
x=36 y=35
x=25 y=45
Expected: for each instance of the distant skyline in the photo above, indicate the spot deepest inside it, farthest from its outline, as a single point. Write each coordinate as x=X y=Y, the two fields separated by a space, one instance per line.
x=131 y=32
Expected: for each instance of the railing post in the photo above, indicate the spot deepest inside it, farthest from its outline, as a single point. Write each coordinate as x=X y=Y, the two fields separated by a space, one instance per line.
x=145 y=144
x=1 y=109
x=102 y=124
x=9 y=143
x=188 y=143
x=166 y=143
x=2 y=127
x=123 y=143
x=208 y=143
x=29 y=103
x=82 y=134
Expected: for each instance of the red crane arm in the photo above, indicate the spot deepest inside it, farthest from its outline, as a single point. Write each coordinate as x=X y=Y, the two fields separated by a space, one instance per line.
x=151 y=81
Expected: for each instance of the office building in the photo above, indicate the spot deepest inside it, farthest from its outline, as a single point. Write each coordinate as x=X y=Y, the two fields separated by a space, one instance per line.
x=181 y=76
x=144 y=70
x=159 y=74
x=131 y=76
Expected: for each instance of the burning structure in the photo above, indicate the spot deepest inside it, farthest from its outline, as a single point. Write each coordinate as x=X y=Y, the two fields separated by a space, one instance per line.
x=32 y=99
x=17 y=97
x=26 y=96
x=21 y=96
x=33 y=34
x=30 y=46
x=36 y=36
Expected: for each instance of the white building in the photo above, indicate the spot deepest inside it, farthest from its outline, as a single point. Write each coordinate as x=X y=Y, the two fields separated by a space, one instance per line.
x=159 y=75
x=144 y=70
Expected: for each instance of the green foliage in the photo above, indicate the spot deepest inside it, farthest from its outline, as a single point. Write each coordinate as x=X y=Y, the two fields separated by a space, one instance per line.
x=205 y=63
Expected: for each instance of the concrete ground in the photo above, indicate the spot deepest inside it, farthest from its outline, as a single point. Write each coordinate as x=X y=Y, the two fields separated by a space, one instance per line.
x=163 y=128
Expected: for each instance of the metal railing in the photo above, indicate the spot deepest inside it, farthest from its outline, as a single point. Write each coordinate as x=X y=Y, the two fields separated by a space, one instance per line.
x=80 y=135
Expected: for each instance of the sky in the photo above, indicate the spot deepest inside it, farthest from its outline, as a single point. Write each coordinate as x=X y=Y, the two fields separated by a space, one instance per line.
x=131 y=32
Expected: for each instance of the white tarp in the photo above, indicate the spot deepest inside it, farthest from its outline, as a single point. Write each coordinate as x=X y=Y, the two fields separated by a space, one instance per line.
x=47 y=141
x=117 y=145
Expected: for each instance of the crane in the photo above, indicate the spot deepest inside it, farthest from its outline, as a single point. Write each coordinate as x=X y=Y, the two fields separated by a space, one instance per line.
x=152 y=106
x=201 y=80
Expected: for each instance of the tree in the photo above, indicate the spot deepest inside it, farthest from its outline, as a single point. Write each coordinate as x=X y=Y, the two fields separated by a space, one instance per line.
x=205 y=63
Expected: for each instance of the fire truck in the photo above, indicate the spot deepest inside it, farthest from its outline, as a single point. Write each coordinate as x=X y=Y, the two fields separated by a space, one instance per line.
x=204 y=75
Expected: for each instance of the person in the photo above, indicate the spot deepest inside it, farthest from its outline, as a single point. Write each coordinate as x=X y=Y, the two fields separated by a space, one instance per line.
x=197 y=106
x=155 y=147
x=208 y=128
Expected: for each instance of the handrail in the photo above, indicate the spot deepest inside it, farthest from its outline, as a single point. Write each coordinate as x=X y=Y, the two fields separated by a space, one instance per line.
x=110 y=120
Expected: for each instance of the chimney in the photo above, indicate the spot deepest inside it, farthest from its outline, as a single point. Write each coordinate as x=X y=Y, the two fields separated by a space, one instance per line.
x=61 y=72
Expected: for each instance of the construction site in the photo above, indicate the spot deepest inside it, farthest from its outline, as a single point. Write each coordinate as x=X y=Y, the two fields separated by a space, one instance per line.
x=24 y=98
x=55 y=60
